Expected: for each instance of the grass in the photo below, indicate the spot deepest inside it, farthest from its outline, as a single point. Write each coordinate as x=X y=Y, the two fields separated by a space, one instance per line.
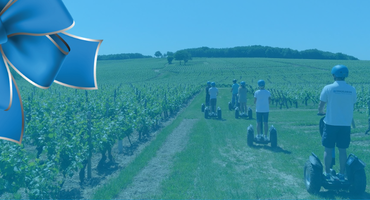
x=218 y=164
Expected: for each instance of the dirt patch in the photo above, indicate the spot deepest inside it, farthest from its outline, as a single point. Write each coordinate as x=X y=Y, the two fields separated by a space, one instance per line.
x=147 y=183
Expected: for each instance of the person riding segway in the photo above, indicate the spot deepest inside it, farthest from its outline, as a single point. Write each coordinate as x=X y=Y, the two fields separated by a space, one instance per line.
x=207 y=92
x=213 y=92
x=262 y=99
x=242 y=97
x=234 y=91
x=340 y=98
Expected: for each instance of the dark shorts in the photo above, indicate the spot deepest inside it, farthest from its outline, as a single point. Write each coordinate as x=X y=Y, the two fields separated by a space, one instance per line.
x=213 y=102
x=340 y=135
x=262 y=117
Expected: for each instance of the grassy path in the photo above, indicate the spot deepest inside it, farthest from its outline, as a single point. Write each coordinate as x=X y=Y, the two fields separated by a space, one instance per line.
x=217 y=163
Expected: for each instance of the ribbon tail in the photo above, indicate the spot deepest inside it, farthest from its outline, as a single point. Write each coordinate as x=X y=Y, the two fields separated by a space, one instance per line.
x=12 y=121
x=79 y=67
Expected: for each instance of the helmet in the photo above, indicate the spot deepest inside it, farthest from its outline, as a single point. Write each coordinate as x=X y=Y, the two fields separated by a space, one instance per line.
x=340 y=71
x=213 y=84
x=208 y=83
x=234 y=81
x=242 y=83
x=261 y=83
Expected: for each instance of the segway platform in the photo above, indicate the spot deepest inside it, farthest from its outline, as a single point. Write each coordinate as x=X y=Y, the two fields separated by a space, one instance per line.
x=243 y=115
x=208 y=114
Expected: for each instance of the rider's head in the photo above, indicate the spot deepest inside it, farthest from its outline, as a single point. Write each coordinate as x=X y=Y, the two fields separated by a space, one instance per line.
x=208 y=83
x=261 y=84
x=213 y=84
x=339 y=72
x=242 y=84
x=234 y=81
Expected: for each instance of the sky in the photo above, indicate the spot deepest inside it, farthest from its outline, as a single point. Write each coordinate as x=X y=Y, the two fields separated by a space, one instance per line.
x=147 y=26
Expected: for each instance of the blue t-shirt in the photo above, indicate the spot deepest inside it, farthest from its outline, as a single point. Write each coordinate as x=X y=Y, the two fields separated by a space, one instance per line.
x=235 y=88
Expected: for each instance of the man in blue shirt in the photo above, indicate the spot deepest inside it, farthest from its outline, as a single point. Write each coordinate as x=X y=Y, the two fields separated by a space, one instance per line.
x=340 y=99
x=234 y=91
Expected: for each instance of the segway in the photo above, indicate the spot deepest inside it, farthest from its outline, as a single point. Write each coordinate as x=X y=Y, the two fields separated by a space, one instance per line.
x=208 y=114
x=260 y=139
x=355 y=173
x=315 y=179
x=230 y=106
x=203 y=107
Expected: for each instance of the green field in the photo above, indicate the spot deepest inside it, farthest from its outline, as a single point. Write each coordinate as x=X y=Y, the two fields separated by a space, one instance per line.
x=210 y=159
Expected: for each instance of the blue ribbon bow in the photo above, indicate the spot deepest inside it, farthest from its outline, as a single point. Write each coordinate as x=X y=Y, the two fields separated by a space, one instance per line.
x=34 y=44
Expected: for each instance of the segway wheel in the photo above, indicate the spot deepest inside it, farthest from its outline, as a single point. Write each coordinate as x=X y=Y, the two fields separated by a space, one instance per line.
x=312 y=178
x=236 y=113
x=273 y=138
x=230 y=106
x=250 y=113
x=250 y=138
x=358 y=185
x=203 y=107
x=219 y=114
x=206 y=113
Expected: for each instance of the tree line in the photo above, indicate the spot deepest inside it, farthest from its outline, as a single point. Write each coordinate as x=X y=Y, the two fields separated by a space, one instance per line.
x=266 y=52
x=122 y=56
x=242 y=51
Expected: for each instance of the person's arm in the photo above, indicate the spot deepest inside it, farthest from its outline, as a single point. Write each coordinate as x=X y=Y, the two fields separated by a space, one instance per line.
x=269 y=100
x=255 y=100
x=321 y=107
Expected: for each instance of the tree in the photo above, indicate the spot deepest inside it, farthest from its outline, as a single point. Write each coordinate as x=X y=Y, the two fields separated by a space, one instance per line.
x=182 y=55
x=158 y=54
x=169 y=59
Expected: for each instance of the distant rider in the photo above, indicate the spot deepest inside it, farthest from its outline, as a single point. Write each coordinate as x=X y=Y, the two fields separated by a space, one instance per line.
x=340 y=98
x=234 y=91
x=213 y=92
x=262 y=99
x=207 y=92
x=242 y=94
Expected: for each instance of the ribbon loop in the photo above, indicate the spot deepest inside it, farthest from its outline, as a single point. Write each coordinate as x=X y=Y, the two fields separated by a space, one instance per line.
x=37 y=59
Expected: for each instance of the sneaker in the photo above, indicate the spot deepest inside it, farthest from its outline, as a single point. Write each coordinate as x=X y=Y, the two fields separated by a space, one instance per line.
x=328 y=177
x=340 y=177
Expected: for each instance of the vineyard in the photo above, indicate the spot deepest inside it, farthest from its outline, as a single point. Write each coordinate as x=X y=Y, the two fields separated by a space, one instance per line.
x=65 y=126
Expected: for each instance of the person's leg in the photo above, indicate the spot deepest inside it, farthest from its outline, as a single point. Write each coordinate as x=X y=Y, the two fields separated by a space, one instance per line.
x=244 y=105
x=265 y=122
x=212 y=104
x=342 y=160
x=259 y=121
x=328 y=141
x=343 y=140
x=327 y=159
x=215 y=110
x=233 y=98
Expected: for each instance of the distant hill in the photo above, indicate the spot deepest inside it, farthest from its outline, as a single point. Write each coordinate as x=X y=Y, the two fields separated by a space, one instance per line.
x=122 y=56
x=266 y=52
x=244 y=51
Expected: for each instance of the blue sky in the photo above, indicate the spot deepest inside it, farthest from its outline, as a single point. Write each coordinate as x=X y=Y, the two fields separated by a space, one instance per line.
x=145 y=26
